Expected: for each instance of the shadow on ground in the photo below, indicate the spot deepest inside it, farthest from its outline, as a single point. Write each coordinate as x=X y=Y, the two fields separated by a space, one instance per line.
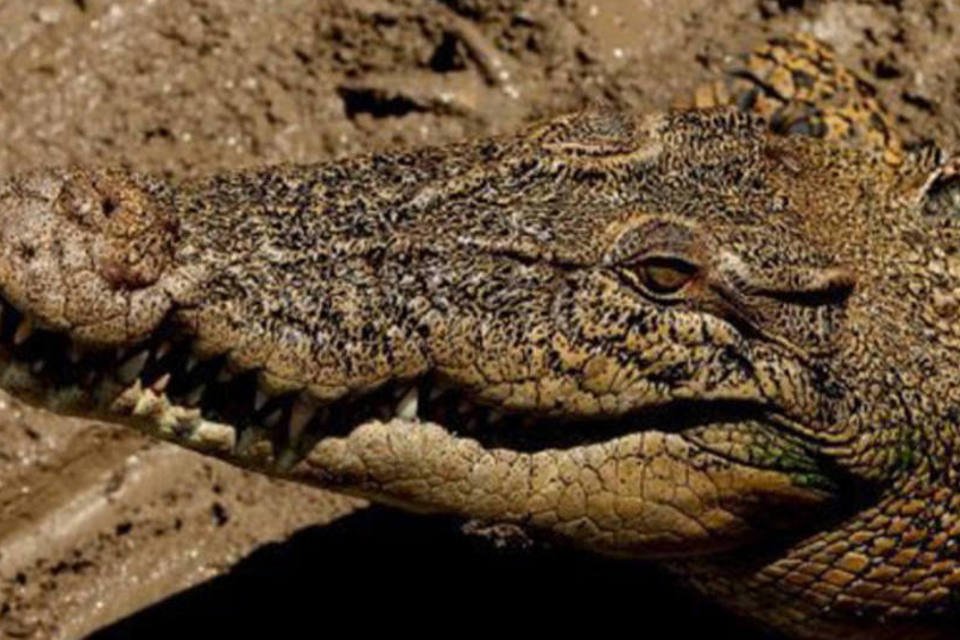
x=379 y=569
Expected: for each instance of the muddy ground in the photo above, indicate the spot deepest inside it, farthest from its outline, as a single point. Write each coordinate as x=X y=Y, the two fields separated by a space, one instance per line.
x=98 y=525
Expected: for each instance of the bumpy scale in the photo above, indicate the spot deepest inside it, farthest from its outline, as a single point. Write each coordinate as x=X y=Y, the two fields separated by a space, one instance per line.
x=723 y=337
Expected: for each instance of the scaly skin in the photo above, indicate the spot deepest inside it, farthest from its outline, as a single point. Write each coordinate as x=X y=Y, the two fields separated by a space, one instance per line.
x=679 y=336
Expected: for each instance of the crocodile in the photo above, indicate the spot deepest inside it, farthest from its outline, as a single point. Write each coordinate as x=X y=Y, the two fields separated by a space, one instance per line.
x=722 y=338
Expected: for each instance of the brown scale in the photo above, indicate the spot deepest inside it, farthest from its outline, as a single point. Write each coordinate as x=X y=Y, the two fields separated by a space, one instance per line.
x=798 y=86
x=766 y=393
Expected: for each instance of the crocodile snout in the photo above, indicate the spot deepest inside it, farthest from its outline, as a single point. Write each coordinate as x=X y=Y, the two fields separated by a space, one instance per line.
x=85 y=252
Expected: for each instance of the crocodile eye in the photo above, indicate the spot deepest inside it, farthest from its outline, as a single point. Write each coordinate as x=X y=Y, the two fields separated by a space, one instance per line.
x=665 y=276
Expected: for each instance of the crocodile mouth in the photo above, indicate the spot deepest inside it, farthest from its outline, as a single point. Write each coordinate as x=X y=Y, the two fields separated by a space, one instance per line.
x=161 y=386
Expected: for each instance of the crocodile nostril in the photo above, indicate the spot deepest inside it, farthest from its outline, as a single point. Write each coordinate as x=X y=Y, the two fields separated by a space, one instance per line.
x=108 y=206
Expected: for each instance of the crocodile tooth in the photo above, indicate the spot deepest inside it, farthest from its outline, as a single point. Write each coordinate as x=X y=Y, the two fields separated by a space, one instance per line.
x=301 y=414
x=254 y=441
x=495 y=416
x=163 y=350
x=193 y=398
x=161 y=384
x=407 y=407
x=225 y=375
x=464 y=407
x=132 y=368
x=38 y=366
x=287 y=459
x=436 y=392
x=23 y=332
x=273 y=419
x=191 y=363
x=120 y=354
x=259 y=400
x=245 y=439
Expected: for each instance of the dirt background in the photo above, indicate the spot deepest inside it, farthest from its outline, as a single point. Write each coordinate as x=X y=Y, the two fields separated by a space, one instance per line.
x=97 y=525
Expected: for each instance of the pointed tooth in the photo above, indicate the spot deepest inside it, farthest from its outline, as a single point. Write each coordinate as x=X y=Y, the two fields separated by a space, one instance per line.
x=464 y=407
x=287 y=459
x=407 y=407
x=163 y=350
x=254 y=440
x=191 y=363
x=38 y=366
x=161 y=384
x=245 y=440
x=132 y=368
x=224 y=375
x=196 y=394
x=273 y=419
x=121 y=354
x=495 y=416
x=23 y=332
x=259 y=400
x=301 y=414
x=436 y=392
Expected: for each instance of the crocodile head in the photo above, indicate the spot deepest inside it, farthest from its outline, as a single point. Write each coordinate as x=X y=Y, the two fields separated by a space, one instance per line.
x=652 y=336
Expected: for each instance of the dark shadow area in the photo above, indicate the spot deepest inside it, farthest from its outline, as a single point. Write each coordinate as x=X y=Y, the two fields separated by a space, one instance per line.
x=357 y=100
x=380 y=569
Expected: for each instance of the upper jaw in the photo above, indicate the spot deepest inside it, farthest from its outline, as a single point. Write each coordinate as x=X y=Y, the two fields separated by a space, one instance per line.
x=164 y=387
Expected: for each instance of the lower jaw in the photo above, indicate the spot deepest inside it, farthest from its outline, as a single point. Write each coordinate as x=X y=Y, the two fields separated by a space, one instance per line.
x=317 y=457
x=160 y=388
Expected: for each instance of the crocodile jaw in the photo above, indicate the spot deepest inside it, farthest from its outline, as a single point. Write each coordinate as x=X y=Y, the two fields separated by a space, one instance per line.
x=646 y=492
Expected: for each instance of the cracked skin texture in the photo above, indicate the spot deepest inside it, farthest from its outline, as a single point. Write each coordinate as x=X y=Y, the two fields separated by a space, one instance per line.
x=693 y=337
